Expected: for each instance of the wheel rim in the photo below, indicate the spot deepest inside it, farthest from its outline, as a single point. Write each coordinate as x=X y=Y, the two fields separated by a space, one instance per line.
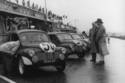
x=21 y=67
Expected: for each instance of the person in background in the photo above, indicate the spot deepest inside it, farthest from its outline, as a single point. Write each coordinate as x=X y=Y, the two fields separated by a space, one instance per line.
x=93 y=45
x=84 y=33
x=7 y=51
x=108 y=40
x=101 y=40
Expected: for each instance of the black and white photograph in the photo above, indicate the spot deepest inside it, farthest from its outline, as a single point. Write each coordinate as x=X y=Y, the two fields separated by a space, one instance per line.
x=62 y=41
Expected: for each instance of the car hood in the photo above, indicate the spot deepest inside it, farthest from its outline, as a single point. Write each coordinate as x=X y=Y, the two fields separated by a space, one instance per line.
x=48 y=46
x=78 y=42
x=44 y=46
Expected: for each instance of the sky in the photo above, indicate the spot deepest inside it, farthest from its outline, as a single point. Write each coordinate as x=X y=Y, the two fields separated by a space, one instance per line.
x=81 y=13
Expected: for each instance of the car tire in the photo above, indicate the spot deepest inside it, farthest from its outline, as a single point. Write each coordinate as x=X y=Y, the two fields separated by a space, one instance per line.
x=60 y=66
x=66 y=56
x=20 y=67
x=80 y=55
x=7 y=64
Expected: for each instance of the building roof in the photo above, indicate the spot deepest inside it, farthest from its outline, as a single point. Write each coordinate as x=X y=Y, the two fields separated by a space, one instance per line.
x=27 y=30
x=56 y=32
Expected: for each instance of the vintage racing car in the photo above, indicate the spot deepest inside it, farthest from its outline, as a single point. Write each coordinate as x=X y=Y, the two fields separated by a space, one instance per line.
x=85 y=42
x=64 y=39
x=36 y=50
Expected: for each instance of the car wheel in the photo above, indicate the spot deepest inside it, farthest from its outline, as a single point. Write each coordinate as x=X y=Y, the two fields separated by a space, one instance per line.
x=21 y=68
x=80 y=55
x=66 y=56
x=61 y=66
x=7 y=64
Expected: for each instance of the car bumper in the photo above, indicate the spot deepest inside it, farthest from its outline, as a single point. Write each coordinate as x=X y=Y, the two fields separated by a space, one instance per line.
x=42 y=63
x=42 y=59
x=79 y=49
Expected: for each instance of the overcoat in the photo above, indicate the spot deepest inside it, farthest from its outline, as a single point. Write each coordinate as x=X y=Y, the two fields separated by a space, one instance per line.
x=92 y=37
x=101 y=40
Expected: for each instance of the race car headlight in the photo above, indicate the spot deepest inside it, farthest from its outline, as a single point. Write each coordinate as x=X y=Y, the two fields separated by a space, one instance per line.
x=79 y=44
x=31 y=52
x=72 y=46
x=61 y=56
x=63 y=50
x=84 y=44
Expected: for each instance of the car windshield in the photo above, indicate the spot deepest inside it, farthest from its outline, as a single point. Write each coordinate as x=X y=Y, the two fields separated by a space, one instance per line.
x=76 y=36
x=63 y=37
x=34 y=37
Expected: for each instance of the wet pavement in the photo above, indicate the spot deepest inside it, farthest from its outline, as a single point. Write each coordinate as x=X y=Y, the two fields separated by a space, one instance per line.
x=83 y=71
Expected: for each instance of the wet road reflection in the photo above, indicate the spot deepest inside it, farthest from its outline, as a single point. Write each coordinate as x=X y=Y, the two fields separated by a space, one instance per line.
x=111 y=72
x=84 y=71
x=88 y=73
x=115 y=62
x=41 y=77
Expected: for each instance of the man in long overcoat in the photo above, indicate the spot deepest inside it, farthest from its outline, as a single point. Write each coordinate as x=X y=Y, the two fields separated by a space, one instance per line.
x=101 y=41
x=93 y=46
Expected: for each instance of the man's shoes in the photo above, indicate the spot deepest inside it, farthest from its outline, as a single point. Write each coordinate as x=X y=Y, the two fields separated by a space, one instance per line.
x=100 y=63
x=93 y=60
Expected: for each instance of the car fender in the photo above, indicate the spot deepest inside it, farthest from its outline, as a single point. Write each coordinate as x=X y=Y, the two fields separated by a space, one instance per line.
x=68 y=46
x=27 y=60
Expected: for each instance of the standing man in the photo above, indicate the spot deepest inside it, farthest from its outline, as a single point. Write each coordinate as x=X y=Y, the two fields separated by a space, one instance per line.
x=93 y=45
x=101 y=40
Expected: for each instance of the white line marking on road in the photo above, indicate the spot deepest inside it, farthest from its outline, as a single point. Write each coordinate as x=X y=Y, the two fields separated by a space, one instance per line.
x=6 y=79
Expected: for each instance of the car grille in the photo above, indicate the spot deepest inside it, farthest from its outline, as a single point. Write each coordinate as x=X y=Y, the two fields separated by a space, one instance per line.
x=79 y=48
x=47 y=57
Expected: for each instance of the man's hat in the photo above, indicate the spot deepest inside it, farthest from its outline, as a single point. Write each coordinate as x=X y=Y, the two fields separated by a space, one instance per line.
x=99 y=20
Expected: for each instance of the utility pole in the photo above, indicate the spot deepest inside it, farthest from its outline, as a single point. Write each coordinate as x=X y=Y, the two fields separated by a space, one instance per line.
x=46 y=9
